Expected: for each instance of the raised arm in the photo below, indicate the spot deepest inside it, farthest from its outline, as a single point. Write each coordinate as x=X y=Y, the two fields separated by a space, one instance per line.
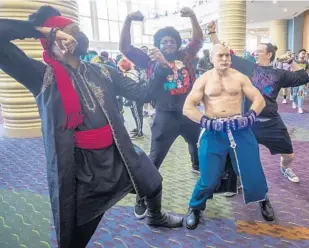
x=253 y=94
x=137 y=56
x=298 y=76
x=213 y=33
x=197 y=40
x=194 y=99
x=128 y=88
x=294 y=78
x=13 y=61
x=240 y=64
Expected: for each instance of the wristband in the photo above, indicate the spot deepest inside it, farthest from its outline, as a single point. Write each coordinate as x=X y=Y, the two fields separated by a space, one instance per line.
x=213 y=32
x=206 y=123
x=251 y=115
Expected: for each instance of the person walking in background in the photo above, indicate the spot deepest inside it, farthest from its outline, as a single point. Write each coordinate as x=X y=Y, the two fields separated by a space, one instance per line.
x=204 y=63
x=104 y=59
x=127 y=67
x=89 y=56
x=298 y=92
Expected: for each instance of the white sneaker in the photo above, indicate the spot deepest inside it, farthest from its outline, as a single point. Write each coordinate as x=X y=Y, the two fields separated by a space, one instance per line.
x=284 y=101
x=300 y=111
x=294 y=106
x=291 y=97
x=289 y=174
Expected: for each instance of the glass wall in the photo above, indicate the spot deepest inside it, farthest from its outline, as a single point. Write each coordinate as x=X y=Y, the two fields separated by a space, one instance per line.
x=85 y=17
x=109 y=15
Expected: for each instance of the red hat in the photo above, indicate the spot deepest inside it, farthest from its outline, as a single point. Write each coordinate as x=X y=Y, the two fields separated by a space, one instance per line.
x=69 y=96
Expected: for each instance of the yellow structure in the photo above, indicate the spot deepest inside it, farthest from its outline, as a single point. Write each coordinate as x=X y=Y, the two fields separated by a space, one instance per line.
x=232 y=24
x=306 y=31
x=278 y=33
x=19 y=110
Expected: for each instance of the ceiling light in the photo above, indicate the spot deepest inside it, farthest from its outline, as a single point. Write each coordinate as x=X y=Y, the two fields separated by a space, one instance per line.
x=274 y=1
x=285 y=9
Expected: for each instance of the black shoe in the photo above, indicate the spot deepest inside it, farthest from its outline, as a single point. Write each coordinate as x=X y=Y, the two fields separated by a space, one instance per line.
x=195 y=168
x=193 y=218
x=163 y=219
x=156 y=217
x=140 y=209
x=137 y=136
x=267 y=210
x=133 y=131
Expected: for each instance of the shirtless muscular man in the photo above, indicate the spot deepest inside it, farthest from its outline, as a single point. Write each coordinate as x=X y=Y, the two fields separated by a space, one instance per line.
x=226 y=131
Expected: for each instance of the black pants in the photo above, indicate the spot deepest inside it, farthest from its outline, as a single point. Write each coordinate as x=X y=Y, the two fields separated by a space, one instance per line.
x=120 y=103
x=137 y=112
x=166 y=127
x=83 y=234
x=274 y=135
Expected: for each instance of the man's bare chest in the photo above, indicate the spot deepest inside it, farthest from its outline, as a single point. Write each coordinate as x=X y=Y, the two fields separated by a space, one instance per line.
x=226 y=86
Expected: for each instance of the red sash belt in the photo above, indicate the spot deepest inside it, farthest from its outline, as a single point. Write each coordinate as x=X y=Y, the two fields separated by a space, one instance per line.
x=94 y=139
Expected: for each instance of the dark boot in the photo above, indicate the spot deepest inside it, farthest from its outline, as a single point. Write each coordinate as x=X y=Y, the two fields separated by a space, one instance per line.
x=155 y=217
x=193 y=218
x=267 y=210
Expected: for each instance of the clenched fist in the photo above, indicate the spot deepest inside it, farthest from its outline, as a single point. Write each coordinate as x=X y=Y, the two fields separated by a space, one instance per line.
x=285 y=58
x=186 y=12
x=156 y=55
x=136 y=16
x=211 y=27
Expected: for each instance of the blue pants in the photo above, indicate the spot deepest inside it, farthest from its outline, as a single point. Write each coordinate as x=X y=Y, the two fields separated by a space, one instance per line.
x=213 y=149
x=298 y=99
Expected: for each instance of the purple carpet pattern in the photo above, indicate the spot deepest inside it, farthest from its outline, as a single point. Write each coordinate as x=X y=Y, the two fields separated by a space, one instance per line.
x=26 y=221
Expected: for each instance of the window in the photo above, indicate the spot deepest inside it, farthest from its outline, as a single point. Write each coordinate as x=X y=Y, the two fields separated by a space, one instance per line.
x=112 y=8
x=137 y=33
x=114 y=31
x=86 y=26
x=146 y=39
x=120 y=25
x=102 y=9
x=122 y=10
x=84 y=7
x=103 y=30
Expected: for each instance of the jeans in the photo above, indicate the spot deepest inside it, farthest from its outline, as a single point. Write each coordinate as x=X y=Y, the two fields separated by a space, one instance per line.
x=298 y=95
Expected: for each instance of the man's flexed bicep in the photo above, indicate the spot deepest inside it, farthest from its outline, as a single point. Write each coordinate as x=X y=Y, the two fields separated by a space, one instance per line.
x=194 y=99
x=134 y=54
x=253 y=94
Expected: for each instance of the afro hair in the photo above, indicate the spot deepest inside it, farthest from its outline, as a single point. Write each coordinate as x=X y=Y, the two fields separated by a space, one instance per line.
x=168 y=31
x=38 y=18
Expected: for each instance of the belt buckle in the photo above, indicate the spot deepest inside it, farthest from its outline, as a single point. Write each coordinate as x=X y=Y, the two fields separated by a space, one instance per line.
x=242 y=122
x=218 y=125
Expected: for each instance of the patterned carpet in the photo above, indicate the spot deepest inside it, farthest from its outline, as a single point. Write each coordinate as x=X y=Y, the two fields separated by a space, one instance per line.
x=25 y=217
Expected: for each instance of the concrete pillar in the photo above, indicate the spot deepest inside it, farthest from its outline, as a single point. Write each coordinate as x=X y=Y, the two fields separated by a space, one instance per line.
x=306 y=31
x=232 y=24
x=19 y=110
x=278 y=33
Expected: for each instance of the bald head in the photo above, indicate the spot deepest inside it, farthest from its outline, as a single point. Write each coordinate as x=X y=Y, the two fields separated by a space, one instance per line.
x=220 y=57
x=219 y=49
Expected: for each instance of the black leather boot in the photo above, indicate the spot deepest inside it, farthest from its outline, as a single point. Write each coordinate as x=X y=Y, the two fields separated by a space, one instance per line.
x=267 y=210
x=193 y=218
x=155 y=217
